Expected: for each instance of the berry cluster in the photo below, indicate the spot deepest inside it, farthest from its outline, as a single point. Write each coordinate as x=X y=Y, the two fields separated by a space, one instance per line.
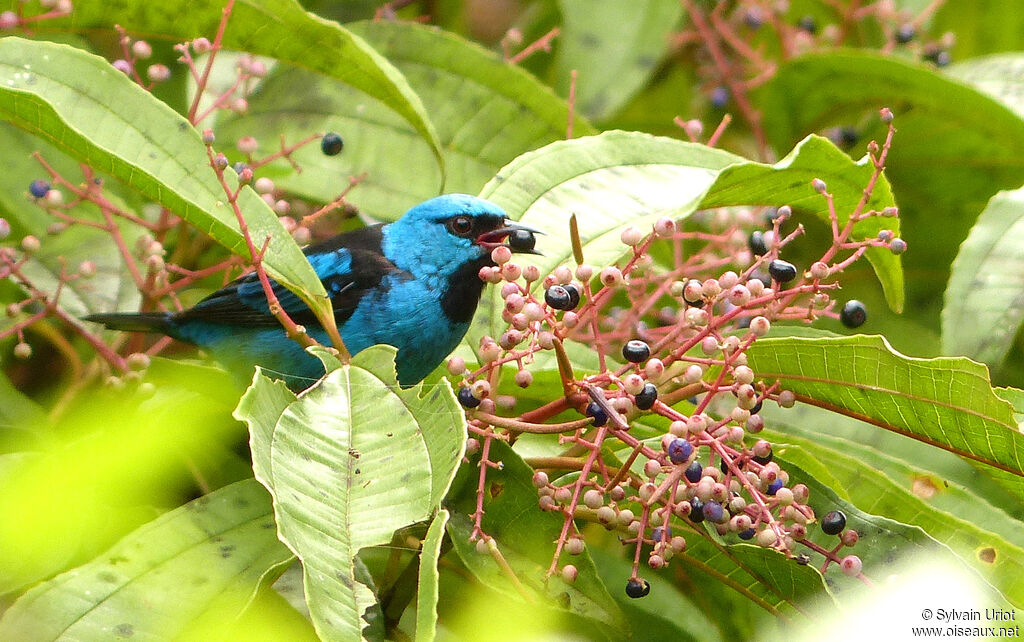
x=734 y=42
x=154 y=261
x=682 y=336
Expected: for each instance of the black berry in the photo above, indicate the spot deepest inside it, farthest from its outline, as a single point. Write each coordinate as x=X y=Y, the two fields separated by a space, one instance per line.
x=331 y=144
x=637 y=588
x=719 y=97
x=679 y=451
x=774 y=487
x=574 y=295
x=38 y=188
x=747 y=534
x=659 y=532
x=467 y=399
x=833 y=522
x=756 y=243
x=905 y=34
x=694 y=472
x=522 y=240
x=848 y=137
x=808 y=24
x=713 y=511
x=697 y=510
x=558 y=298
x=853 y=314
x=646 y=397
x=782 y=271
x=757 y=407
x=239 y=166
x=598 y=413
x=636 y=351
x=764 y=460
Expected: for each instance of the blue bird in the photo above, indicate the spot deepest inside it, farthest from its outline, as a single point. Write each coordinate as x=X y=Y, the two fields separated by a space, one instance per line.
x=411 y=284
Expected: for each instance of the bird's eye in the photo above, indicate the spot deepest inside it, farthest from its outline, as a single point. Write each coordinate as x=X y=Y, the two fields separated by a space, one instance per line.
x=461 y=225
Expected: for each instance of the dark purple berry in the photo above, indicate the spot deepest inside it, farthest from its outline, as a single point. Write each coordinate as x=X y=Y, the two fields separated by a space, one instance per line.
x=757 y=407
x=696 y=511
x=679 y=451
x=766 y=459
x=848 y=137
x=782 y=271
x=774 y=487
x=694 y=472
x=38 y=188
x=636 y=351
x=658 y=532
x=853 y=314
x=558 y=298
x=756 y=243
x=574 y=295
x=752 y=18
x=239 y=166
x=719 y=97
x=597 y=412
x=905 y=34
x=747 y=534
x=331 y=144
x=522 y=240
x=467 y=399
x=637 y=588
x=713 y=511
x=645 y=398
x=833 y=522
x=808 y=24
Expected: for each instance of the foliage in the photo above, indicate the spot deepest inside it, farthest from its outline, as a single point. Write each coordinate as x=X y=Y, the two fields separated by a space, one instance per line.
x=730 y=185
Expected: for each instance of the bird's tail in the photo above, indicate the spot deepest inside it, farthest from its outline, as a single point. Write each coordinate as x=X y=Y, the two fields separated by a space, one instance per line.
x=146 y=322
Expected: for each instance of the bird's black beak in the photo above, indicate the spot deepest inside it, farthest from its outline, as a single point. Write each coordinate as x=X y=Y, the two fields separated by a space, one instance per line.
x=520 y=238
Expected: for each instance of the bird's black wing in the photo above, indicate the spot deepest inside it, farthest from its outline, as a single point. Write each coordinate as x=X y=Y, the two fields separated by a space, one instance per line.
x=348 y=265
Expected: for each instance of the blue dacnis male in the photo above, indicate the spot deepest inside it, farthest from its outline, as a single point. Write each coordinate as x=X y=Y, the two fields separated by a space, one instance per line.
x=411 y=284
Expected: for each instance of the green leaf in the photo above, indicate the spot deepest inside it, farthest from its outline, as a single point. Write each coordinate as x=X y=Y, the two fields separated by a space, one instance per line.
x=864 y=474
x=62 y=95
x=985 y=296
x=940 y=122
x=426 y=597
x=946 y=402
x=525 y=537
x=501 y=112
x=280 y=29
x=349 y=462
x=615 y=52
x=618 y=179
x=999 y=76
x=203 y=560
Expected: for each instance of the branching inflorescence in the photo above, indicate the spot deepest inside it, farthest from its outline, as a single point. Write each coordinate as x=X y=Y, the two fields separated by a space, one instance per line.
x=142 y=239
x=664 y=334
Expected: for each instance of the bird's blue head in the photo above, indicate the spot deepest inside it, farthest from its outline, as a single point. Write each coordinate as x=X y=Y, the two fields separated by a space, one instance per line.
x=447 y=234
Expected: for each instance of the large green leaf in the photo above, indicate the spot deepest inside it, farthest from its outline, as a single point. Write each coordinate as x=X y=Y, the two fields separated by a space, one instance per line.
x=618 y=179
x=614 y=50
x=985 y=297
x=63 y=95
x=854 y=469
x=427 y=593
x=349 y=462
x=947 y=402
x=940 y=122
x=280 y=29
x=999 y=75
x=202 y=561
x=501 y=112
x=525 y=537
